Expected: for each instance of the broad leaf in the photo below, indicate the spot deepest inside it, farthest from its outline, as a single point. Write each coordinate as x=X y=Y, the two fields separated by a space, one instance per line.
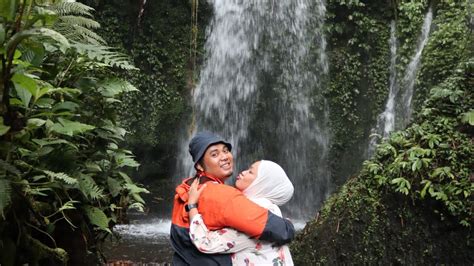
x=70 y=128
x=468 y=118
x=3 y=129
x=97 y=217
x=25 y=87
x=114 y=186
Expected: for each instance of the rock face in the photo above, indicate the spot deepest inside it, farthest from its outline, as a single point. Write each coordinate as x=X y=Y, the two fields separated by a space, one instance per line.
x=362 y=226
x=412 y=202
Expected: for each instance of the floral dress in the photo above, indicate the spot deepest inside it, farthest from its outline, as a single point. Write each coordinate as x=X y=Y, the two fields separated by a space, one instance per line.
x=246 y=251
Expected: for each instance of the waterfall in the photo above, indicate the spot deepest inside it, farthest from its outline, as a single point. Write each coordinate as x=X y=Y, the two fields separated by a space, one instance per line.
x=400 y=110
x=386 y=120
x=412 y=70
x=261 y=88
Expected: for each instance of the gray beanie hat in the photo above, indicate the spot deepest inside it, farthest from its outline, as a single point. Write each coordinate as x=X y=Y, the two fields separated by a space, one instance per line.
x=201 y=141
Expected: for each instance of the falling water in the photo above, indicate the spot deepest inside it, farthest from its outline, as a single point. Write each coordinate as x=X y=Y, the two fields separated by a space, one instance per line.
x=261 y=89
x=400 y=110
x=386 y=120
x=412 y=70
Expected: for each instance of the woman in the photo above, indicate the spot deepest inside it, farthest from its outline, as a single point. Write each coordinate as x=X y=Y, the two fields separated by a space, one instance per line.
x=265 y=183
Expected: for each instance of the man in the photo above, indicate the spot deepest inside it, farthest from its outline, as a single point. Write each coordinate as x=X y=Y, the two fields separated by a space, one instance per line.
x=220 y=205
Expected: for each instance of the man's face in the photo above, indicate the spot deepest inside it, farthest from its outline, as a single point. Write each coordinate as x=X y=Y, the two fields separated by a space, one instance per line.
x=218 y=161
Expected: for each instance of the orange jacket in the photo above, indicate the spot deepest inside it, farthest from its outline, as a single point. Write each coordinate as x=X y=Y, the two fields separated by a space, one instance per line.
x=222 y=206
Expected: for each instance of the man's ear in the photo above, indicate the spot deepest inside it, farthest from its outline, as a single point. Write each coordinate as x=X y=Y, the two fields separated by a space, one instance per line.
x=199 y=167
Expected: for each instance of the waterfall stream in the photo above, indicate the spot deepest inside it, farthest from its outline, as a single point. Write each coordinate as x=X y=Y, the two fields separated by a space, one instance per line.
x=265 y=62
x=398 y=107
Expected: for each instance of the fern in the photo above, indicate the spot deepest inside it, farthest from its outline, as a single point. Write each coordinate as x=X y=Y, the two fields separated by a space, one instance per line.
x=90 y=189
x=61 y=176
x=5 y=195
x=104 y=54
x=72 y=8
x=79 y=21
x=113 y=87
x=78 y=29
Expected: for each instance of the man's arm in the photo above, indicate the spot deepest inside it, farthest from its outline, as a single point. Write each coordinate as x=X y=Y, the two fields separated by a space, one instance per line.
x=278 y=230
x=224 y=206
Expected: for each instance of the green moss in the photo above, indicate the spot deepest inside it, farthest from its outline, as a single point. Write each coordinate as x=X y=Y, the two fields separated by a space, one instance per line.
x=160 y=47
x=412 y=202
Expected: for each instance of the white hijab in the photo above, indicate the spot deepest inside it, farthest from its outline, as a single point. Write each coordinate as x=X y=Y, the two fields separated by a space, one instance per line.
x=271 y=183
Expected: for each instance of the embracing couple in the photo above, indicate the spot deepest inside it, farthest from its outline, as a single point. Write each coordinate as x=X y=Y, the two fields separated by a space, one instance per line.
x=216 y=224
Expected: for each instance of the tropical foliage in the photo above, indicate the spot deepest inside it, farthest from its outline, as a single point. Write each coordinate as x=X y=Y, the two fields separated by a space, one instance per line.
x=62 y=167
x=412 y=201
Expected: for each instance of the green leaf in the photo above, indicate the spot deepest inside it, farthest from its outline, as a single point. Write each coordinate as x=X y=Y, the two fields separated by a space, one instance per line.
x=114 y=186
x=2 y=32
x=427 y=185
x=97 y=217
x=468 y=118
x=70 y=128
x=45 y=142
x=25 y=86
x=125 y=177
x=113 y=87
x=134 y=190
x=93 y=167
x=35 y=122
x=68 y=205
x=42 y=34
x=8 y=9
x=89 y=188
x=3 y=129
x=61 y=176
x=66 y=105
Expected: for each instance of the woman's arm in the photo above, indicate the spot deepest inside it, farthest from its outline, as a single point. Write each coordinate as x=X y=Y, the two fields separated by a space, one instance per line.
x=225 y=240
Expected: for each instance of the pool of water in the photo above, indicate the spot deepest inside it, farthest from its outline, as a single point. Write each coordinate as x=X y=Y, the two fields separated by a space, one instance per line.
x=146 y=242
x=141 y=242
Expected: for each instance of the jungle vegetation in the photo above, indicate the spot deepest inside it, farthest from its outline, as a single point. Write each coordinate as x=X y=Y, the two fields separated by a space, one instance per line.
x=64 y=175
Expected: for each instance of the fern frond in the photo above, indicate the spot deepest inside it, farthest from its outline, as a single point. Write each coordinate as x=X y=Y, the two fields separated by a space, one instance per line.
x=61 y=176
x=72 y=8
x=79 y=21
x=104 y=54
x=80 y=34
x=5 y=195
x=78 y=29
x=113 y=87
x=90 y=189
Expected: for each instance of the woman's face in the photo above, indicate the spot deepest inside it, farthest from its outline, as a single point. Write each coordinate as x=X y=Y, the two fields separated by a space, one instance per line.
x=246 y=177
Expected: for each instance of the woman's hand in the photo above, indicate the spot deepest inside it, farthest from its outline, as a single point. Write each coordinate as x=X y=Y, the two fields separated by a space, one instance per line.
x=195 y=191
